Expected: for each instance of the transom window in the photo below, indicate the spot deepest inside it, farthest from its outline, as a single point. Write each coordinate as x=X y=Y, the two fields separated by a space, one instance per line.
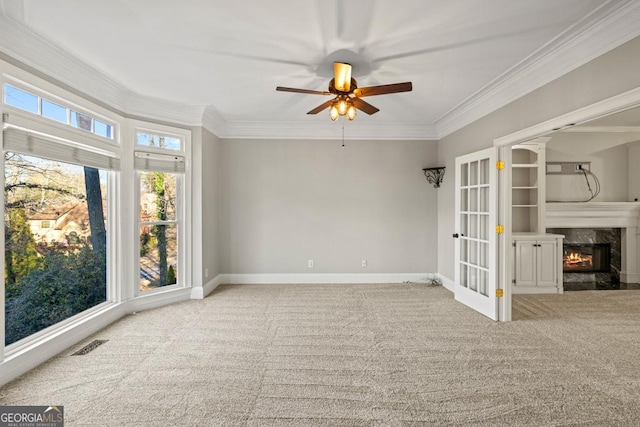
x=43 y=107
x=152 y=140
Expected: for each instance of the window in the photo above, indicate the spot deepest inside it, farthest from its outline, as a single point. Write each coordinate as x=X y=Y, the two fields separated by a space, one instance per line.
x=35 y=104
x=62 y=273
x=164 y=142
x=158 y=230
x=20 y=99
x=160 y=173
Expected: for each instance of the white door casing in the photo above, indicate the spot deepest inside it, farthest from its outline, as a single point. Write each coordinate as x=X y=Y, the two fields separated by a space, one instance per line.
x=475 y=234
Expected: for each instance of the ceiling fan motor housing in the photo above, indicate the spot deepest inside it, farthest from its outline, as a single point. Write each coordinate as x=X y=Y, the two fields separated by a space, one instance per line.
x=332 y=87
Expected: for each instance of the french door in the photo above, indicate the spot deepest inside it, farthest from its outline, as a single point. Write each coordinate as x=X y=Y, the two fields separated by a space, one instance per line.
x=475 y=231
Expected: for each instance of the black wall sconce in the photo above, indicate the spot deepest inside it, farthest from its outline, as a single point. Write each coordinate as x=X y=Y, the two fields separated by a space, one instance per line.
x=434 y=175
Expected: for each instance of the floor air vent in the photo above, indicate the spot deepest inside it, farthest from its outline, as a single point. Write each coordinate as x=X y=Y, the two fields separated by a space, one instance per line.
x=89 y=347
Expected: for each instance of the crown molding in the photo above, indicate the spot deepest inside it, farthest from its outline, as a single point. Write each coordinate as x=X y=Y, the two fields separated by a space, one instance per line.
x=613 y=24
x=29 y=49
x=214 y=122
x=329 y=130
x=163 y=110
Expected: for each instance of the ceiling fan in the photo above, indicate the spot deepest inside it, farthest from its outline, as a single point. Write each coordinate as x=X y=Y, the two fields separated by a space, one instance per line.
x=348 y=93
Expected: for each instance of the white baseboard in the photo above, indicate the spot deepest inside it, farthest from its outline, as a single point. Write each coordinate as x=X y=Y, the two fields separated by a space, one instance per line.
x=201 y=292
x=447 y=283
x=293 y=278
x=629 y=277
x=522 y=290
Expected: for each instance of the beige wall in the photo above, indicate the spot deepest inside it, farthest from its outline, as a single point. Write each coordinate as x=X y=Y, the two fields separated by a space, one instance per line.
x=284 y=202
x=633 y=166
x=611 y=74
x=210 y=205
x=608 y=165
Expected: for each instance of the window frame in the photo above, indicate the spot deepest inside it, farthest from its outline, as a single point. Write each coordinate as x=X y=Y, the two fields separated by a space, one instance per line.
x=122 y=294
x=183 y=198
x=111 y=269
x=102 y=115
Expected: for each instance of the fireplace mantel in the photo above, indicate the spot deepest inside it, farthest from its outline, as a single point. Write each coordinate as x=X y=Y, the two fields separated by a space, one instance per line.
x=592 y=215
x=624 y=215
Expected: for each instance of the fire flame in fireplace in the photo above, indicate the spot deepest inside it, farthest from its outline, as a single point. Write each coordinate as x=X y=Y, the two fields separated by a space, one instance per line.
x=576 y=260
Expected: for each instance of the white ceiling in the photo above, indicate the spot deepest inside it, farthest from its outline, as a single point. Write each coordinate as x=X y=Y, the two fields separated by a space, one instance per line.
x=230 y=55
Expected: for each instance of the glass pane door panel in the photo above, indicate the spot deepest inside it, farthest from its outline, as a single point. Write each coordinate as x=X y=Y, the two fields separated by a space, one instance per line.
x=464 y=281
x=484 y=278
x=484 y=227
x=484 y=199
x=464 y=175
x=483 y=255
x=464 y=224
x=473 y=226
x=473 y=252
x=473 y=200
x=484 y=171
x=473 y=173
x=464 y=250
x=473 y=278
x=464 y=200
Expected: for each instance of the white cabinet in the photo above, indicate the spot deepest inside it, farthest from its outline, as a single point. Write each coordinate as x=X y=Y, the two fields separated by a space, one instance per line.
x=537 y=263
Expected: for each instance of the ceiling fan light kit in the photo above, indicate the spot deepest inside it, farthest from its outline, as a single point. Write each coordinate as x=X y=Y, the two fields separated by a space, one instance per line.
x=342 y=106
x=348 y=93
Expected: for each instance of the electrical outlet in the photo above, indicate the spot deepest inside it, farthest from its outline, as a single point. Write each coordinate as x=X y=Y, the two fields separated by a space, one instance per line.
x=206 y=272
x=364 y=263
x=310 y=263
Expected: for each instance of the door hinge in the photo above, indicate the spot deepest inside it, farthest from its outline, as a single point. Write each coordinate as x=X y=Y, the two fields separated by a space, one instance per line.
x=513 y=281
x=499 y=165
x=499 y=229
x=499 y=293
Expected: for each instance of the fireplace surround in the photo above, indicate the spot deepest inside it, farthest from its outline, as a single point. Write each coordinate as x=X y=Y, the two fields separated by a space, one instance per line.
x=591 y=256
x=624 y=216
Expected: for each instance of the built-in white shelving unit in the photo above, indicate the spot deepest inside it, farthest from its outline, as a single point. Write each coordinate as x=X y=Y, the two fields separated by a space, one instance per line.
x=537 y=256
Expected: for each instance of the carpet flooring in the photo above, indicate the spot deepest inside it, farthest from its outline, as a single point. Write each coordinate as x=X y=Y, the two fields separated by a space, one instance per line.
x=353 y=355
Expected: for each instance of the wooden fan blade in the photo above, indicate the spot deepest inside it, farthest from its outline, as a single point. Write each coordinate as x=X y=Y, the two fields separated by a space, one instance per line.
x=364 y=106
x=321 y=107
x=311 y=92
x=342 y=75
x=383 y=89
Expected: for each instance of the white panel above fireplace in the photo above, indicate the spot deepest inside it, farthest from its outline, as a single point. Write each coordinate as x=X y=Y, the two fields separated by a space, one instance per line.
x=592 y=215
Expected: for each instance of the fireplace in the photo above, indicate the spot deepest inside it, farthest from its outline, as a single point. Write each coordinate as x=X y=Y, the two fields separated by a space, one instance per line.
x=586 y=258
x=591 y=257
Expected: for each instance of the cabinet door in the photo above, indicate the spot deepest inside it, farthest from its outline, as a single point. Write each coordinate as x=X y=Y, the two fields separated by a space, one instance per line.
x=547 y=263
x=525 y=261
